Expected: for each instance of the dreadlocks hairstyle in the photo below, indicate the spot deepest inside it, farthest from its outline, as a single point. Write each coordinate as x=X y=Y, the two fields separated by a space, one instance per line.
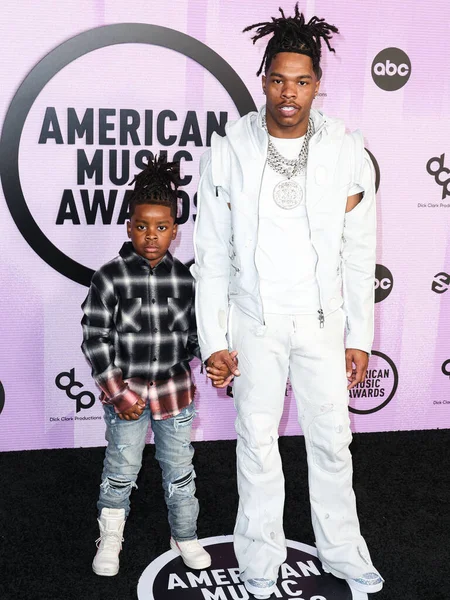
x=157 y=184
x=293 y=34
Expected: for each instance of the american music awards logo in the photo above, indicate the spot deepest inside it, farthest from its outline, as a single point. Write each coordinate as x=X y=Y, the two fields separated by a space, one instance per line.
x=84 y=122
x=301 y=576
x=379 y=387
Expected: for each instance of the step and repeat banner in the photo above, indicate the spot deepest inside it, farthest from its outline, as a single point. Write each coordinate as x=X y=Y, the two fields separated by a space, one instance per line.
x=90 y=89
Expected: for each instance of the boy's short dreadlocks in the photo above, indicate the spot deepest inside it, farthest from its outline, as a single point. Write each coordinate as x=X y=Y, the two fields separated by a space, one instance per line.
x=157 y=184
x=293 y=34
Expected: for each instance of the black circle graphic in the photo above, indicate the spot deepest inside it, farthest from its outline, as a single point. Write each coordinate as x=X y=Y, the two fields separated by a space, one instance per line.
x=45 y=70
x=376 y=166
x=368 y=411
x=445 y=368
x=172 y=580
x=384 y=282
x=2 y=397
x=391 y=69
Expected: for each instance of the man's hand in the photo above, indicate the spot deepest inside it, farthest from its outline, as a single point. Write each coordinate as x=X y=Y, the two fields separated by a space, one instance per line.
x=356 y=363
x=221 y=367
x=133 y=412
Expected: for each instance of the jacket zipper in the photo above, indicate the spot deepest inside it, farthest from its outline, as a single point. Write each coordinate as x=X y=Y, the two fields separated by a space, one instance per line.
x=320 y=311
x=257 y=231
x=321 y=318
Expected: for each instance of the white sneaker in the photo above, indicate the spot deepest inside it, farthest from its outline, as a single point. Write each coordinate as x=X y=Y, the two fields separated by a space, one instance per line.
x=109 y=544
x=192 y=553
x=368 y=583
x=260 y=588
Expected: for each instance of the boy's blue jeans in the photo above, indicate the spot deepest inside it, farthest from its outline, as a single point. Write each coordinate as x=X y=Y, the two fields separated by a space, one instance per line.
x=174 y=452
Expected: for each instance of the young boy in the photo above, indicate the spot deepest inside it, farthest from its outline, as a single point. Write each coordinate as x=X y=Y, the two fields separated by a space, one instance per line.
x=139 y=334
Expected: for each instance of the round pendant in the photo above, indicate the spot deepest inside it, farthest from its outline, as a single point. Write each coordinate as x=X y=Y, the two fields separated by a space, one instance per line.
x=288 y=194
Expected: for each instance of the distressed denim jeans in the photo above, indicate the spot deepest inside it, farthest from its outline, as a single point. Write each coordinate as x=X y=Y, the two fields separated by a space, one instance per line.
x=174 y=452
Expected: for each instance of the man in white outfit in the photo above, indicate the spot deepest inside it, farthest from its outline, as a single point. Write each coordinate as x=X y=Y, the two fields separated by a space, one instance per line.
x=285 y=261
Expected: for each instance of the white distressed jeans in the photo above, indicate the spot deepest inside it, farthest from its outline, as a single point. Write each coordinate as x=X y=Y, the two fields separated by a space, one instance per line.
x=313 y=358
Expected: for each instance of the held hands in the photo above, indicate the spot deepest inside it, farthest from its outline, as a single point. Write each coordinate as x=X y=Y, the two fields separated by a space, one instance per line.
x=221 y=367
x=133 y=413
x=356 y=363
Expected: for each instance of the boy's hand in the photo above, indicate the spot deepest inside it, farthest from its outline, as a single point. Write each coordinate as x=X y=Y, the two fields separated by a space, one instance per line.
x=133 y=412
x=221 y=367
x=360 y=359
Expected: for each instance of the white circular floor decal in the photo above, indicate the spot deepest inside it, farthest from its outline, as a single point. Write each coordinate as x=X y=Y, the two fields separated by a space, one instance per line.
x=301 y=577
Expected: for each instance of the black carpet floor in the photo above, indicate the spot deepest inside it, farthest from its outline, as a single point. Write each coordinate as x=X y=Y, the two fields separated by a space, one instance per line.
x=48 y=516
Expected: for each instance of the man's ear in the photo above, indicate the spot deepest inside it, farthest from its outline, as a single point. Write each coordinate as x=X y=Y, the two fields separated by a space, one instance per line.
x=317 y=88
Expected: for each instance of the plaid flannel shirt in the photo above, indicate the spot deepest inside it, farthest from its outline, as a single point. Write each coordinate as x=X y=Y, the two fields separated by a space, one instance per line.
x=139 y=332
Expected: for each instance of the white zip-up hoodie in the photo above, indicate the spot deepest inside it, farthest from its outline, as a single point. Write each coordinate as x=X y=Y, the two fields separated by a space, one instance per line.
x=226 y=228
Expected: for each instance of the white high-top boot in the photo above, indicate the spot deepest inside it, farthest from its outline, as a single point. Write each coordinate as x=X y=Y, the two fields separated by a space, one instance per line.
x=109 y=544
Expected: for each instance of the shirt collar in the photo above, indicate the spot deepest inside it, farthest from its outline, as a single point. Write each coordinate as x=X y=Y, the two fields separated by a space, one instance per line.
x=165 y=263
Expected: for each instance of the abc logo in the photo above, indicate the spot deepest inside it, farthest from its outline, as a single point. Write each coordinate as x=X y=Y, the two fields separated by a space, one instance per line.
x=391 y=69
x=384 y=283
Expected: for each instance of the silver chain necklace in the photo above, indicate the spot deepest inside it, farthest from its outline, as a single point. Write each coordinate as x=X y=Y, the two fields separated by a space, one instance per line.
x=288 y=194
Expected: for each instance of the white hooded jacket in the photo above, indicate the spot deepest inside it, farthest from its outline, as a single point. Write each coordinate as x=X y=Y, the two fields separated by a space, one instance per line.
x=226 y=228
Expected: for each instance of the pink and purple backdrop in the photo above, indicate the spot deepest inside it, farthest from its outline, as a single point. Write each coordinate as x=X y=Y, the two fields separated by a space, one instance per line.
x=403 y=129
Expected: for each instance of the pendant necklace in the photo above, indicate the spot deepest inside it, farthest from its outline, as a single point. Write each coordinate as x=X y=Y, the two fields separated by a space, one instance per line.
x=288 y=194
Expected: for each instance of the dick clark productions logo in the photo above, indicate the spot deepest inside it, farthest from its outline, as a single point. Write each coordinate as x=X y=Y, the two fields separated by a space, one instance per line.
x=391 y=69
x=81 y=126
x=66 y=381
x=446 y=368
x=441 y=174
x=301 y=576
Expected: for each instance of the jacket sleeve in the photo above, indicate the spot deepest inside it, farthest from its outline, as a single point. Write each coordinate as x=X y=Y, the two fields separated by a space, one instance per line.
x=359 y=246
x=98 y=348
x=212 y=264
x=192 y=342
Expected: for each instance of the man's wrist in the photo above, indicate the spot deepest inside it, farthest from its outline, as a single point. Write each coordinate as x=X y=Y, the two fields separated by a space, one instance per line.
x=125 y=400
x=357 y=350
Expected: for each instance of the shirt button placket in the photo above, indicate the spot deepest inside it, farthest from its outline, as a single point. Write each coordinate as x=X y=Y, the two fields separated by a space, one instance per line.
x=151 y=316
